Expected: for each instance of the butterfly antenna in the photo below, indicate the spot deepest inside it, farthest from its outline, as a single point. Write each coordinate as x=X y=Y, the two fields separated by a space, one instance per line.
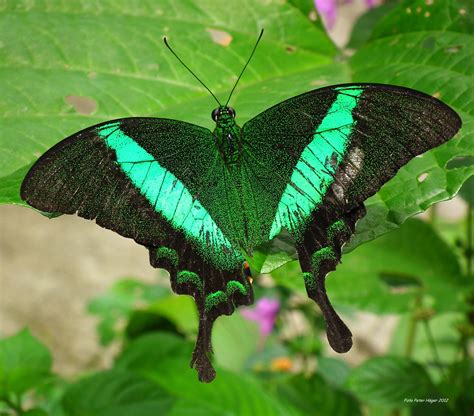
x=187 y=67
x=240 y=76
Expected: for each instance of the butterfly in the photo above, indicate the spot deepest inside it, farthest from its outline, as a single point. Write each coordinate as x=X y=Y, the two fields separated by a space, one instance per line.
x=200 y=200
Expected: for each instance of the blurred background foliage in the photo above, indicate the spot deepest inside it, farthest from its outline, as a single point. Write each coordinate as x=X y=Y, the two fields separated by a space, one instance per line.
x=67 y=65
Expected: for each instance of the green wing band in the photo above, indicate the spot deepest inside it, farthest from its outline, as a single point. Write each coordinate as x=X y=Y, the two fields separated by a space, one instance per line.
x=164 y=191
x=315 y=169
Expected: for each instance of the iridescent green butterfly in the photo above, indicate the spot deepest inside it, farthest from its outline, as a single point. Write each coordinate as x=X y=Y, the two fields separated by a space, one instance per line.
x=198 y=199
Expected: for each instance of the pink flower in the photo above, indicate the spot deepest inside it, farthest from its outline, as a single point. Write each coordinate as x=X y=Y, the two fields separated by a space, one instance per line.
x=328 y=9
x=264 y=313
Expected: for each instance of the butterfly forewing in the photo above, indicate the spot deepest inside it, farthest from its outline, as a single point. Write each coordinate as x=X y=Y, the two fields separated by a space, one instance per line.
x=353 y=136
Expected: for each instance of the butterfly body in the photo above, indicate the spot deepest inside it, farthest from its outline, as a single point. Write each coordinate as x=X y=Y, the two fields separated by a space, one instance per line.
x=228 y=135
x=197 y=199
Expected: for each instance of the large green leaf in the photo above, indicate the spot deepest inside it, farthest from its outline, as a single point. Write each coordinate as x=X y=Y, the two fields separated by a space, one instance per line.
x=181 y=310
x=390 y=381
x=165 y=358
x=273 y=254
x=116 y=393
x=147 y=353
x=333 y=370
x=24 y=363
x=313 y=396
x=428 y=46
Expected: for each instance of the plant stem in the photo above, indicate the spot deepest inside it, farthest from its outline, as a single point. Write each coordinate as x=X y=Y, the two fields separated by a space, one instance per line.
x=410 y=340
x=433 y=214
x=469 y=253
x=12 y=405
x=431 y=340
x=470 y=238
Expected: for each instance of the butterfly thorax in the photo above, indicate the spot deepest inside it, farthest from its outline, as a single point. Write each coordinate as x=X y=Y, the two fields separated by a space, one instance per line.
x=227 y=135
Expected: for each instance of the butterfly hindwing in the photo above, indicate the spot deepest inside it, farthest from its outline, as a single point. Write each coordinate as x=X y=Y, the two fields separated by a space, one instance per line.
x=142 y=178
x=327 y=151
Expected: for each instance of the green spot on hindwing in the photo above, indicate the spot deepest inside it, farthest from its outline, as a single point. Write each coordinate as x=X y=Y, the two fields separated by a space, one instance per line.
x=166 y=253
x=309 y=281
x=213 y=299
x=235 y=286
x=316 y=167
x=326 y=253
x=336 y=229
x=186 y=276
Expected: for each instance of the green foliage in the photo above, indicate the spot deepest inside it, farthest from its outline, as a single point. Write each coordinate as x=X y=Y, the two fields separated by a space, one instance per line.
x=333 y=370
x=273 y=254
x=234 y=341
x=230 y=393
x=67 y=65
x=119 y=304
x=143 y=356
x=363 y=28
x=116 y=393
x=390 y=381
x=300 y=391
x=426 y=46
x=24 y=363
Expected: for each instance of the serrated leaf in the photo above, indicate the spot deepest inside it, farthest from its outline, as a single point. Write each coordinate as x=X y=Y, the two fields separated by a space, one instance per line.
x=413 y=253
x=164 y=358
x=333 y=370
x=116 y=393
x=24 y=363
x=467 y=189
x=313 y=396
x=390 y=381
x=145 y=353
x=427 y=46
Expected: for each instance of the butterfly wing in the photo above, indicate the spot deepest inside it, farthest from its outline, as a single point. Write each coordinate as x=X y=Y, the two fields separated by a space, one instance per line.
x=144 y=178
x=325 y=152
